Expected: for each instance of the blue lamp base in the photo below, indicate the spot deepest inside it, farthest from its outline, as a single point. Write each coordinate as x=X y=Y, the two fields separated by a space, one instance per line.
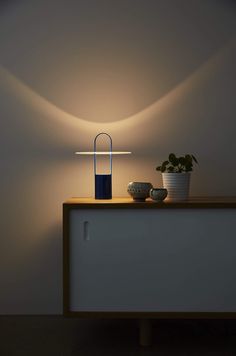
x=103 y=188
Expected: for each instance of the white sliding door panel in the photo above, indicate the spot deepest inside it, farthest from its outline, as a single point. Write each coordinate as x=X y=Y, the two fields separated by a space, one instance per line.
x=153 y=260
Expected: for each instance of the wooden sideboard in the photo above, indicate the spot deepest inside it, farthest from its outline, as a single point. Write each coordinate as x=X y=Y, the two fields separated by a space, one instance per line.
x=150 y=260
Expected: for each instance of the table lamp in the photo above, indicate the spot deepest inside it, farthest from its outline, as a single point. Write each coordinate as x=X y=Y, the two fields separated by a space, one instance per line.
x=103 y=182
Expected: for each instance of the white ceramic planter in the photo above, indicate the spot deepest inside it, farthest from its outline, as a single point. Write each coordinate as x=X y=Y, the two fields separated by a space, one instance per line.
x=177 y=185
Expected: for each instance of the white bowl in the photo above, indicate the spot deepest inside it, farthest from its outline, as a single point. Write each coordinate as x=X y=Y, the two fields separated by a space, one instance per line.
x=158 y=194
x=139 y=191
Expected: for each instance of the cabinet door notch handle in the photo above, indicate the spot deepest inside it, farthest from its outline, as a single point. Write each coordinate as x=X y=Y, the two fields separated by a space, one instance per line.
x=86 y=231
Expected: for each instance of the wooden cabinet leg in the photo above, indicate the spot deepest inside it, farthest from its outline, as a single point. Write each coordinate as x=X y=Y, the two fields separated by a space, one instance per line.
x=145 y=332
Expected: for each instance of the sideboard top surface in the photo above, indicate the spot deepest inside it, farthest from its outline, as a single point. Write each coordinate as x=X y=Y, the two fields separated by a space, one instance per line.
x=127 y=202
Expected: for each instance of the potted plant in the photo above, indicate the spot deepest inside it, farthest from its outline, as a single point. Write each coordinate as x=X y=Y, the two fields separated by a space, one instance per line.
x=176 y=172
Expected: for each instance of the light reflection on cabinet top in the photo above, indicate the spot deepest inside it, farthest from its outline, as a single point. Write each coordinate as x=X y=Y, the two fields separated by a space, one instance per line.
x=192 y=202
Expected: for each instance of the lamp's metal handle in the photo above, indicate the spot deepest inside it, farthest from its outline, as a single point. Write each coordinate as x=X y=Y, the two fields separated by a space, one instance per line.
x=95 y=151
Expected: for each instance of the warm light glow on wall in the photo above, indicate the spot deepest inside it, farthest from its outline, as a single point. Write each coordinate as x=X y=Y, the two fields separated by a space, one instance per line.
x=147 y=114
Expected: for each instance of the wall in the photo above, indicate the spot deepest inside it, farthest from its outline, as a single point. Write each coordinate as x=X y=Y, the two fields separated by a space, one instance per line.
x=158 y=75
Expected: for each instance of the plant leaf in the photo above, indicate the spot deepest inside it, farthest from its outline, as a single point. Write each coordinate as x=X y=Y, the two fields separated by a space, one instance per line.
x=158 y=168
x=188 y=158
x=188 y=167
x=173 y=159
x=182 y=161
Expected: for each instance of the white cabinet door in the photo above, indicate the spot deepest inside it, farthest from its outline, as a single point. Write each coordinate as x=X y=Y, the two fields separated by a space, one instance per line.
x=168 y=260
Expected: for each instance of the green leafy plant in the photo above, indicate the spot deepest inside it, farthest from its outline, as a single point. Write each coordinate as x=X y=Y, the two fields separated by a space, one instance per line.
x=177 y=164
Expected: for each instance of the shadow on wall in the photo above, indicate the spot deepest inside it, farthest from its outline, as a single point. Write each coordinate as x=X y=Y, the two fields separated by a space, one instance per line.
x=4 y=4
x=41 y=103
x=37 y=273
x=105 y=61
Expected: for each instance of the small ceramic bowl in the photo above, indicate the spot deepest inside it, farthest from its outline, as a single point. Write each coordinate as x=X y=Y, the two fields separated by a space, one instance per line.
x=139 y=191
x=158 y=194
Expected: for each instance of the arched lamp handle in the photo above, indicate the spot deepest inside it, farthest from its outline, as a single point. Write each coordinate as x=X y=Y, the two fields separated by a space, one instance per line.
x=95 y=151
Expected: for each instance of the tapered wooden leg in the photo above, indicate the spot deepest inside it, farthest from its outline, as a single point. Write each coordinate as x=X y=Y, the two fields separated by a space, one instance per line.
x=145 y=332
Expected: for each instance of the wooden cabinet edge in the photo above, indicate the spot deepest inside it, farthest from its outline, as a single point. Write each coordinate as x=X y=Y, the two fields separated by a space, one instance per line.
x=126 y=203
x=66 y=298
x=151 y=315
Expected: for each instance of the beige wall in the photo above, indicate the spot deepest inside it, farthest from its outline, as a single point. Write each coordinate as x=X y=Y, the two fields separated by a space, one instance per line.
x=158 y=75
